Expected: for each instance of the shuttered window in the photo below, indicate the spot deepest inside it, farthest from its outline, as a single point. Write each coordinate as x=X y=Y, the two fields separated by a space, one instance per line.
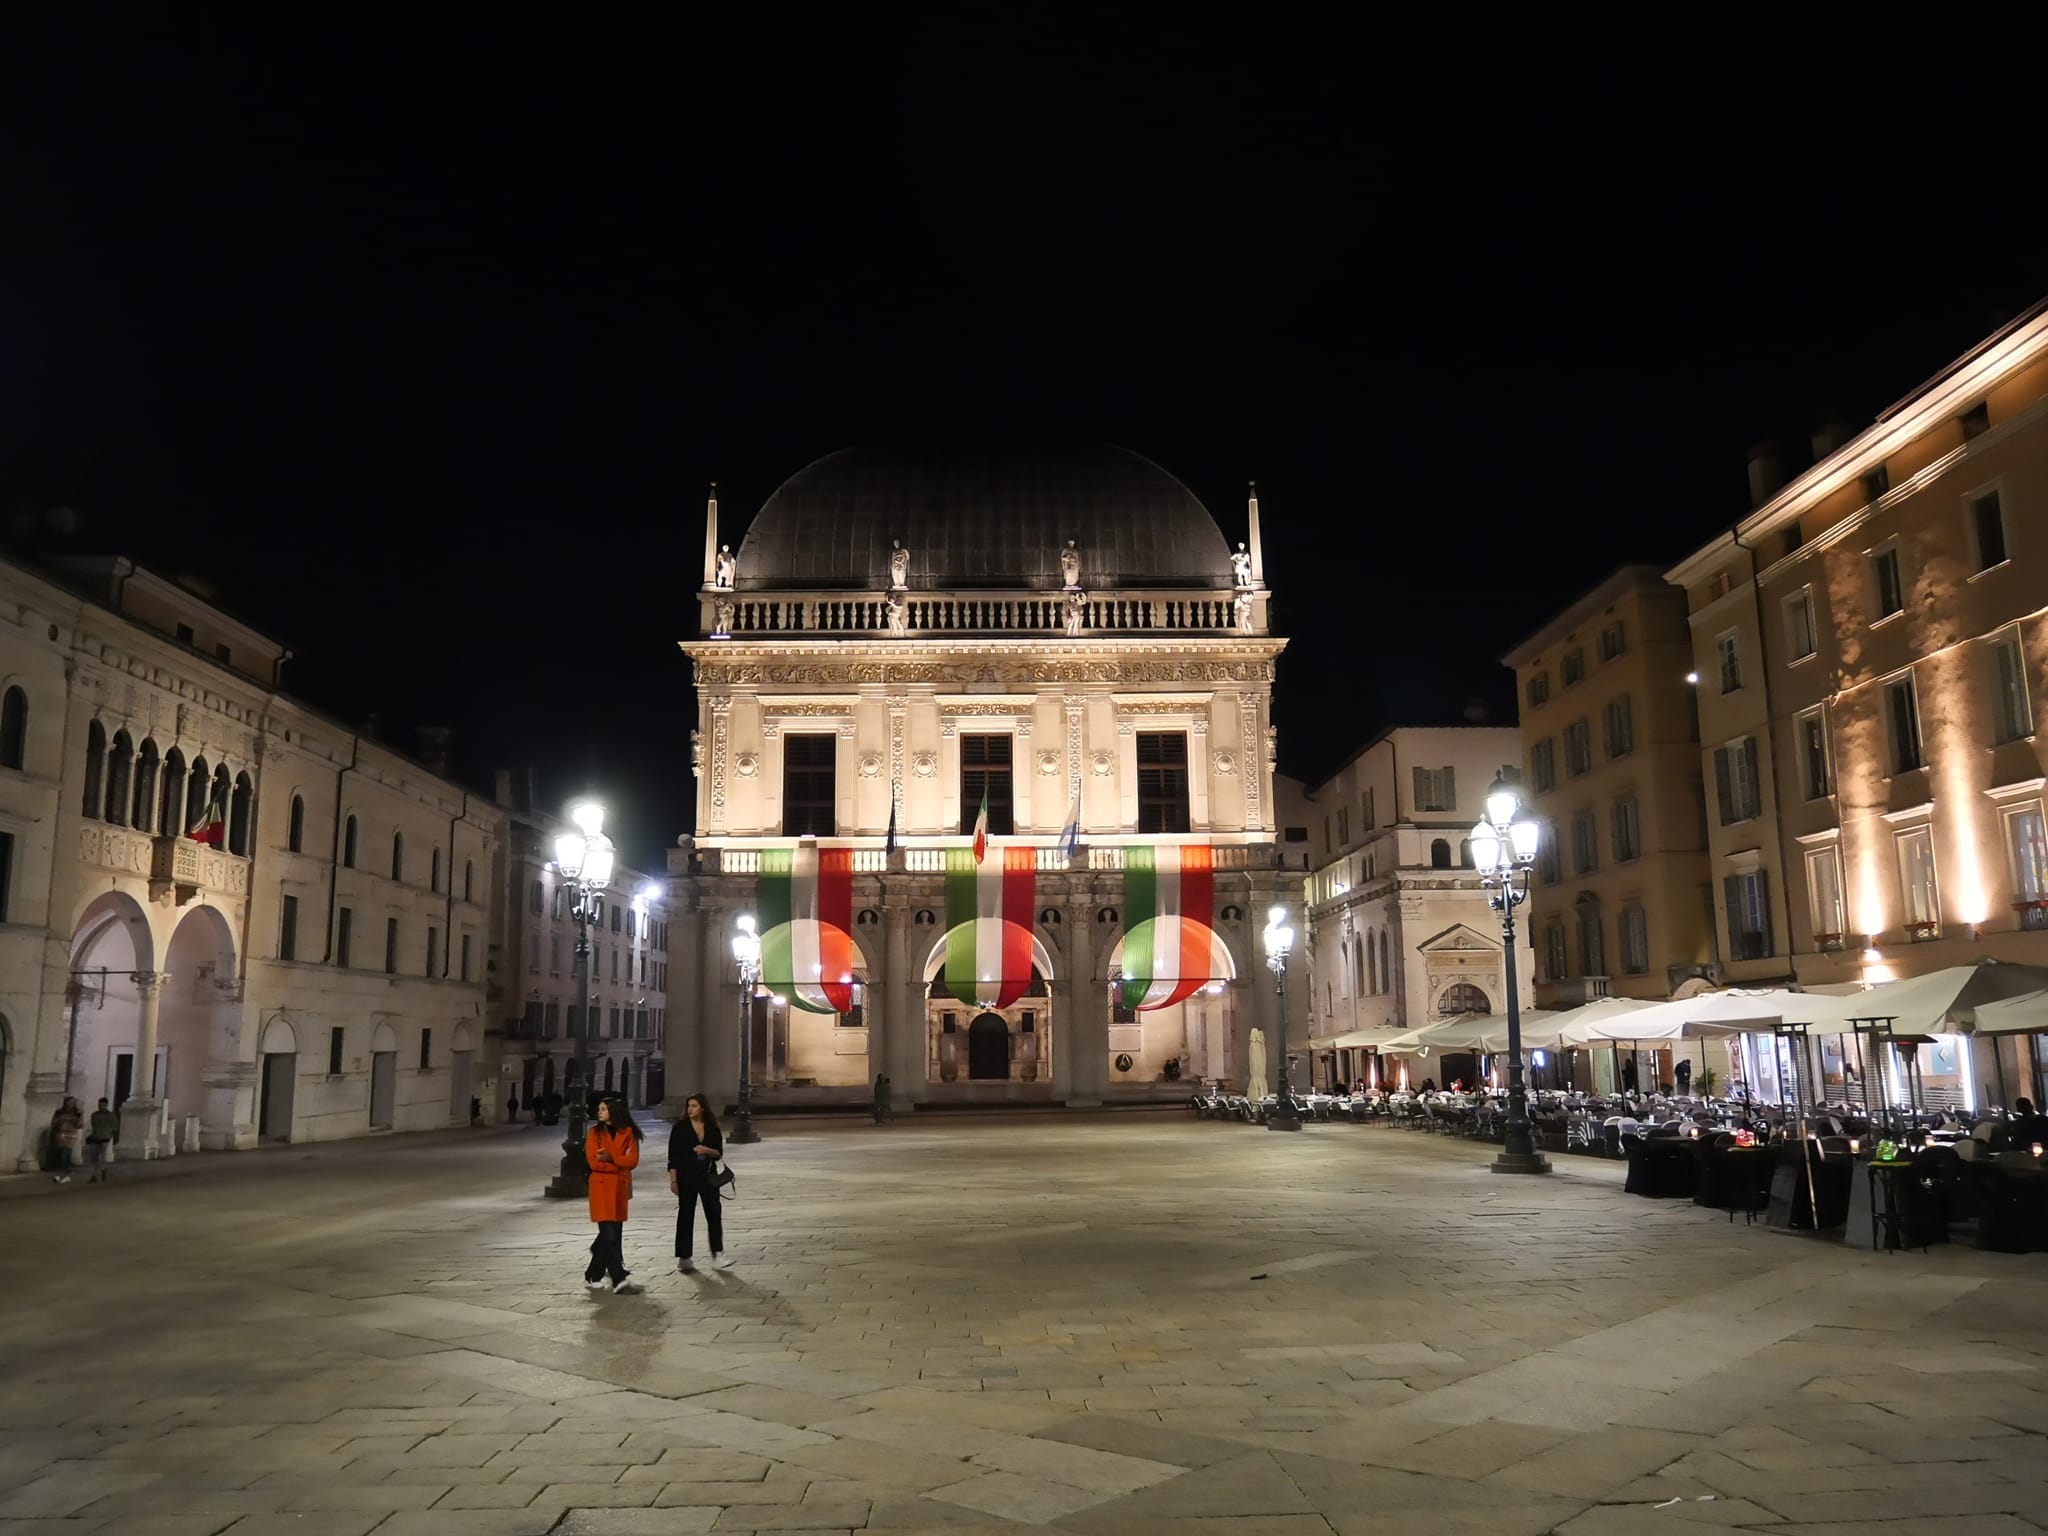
x=1162 y=782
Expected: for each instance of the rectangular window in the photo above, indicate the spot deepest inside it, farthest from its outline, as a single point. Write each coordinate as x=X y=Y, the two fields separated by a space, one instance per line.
x=1436 y=789
x=185 y=633
x=1555 y=965
x=344 y=935
x=1987 y=518
x=1619 y=725
x=1749 y=915
x=1549 y=858
x=1613 y=641
x=391 y=946
x=426 y=1050
x=6 y=871
x=1729 y=649
x=1902 y=722
x=533 y=952
x=1635 y=942
x=2026 y=847
x=1876 y=482
x=1539 y=689
x=554 y=954
x=2012 y=713
x=530 y=1025
x=1543 y=765
x=1367 y=820
x=1162 y=781
x=615 y=962
x=335 y=1036
x=1628 y=830
x=1585 y=843
x=616 y=910
x=1815 y=776
x=1917 y=884
x=985 y=769
x=465 y=957
x=288 y=929
x=1799 y=635
x=433 y=951
x=1737 y=785
x=808 y=808
x=552 y=1020
x=1891 y=589
x=614 y=1022
x=1976 y=421
x=1343 y=826
x=1573 y=668
x=1592 y=954
x=1824 y=897
x=538 y=899
x=1578 y=748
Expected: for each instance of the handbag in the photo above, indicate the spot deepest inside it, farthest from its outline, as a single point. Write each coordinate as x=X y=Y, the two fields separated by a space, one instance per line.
x=726 y=1185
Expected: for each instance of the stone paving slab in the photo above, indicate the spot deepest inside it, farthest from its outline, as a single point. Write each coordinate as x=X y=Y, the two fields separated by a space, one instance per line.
x=922 y=1335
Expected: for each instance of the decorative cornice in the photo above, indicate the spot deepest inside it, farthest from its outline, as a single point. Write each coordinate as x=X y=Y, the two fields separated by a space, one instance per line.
x=731 y=669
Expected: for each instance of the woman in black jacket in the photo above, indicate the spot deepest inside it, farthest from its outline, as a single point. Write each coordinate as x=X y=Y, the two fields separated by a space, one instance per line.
x=694 y=1147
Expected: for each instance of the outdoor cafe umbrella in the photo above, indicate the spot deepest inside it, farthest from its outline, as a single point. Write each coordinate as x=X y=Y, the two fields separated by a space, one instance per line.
x=1732 y=1012
x=1486 y=1032
x=2023 y=1014
x=1940 y=1002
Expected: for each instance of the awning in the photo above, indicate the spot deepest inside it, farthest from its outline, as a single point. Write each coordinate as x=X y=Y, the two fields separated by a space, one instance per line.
x=1354 y=1039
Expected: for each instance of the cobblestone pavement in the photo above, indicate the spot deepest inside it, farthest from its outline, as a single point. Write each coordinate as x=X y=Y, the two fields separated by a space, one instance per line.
x=1114 y=1325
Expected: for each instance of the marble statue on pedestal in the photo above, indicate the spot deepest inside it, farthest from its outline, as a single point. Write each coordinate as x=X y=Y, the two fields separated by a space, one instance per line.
x=1241 y=569
x=899 y=564
x=727 y=569
x=1070 y=566
x=899 y=613
x=1077 y=610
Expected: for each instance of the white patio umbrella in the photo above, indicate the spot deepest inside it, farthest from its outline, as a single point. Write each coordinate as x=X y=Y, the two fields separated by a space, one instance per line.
x=1733 y=1012
x=1258 y=1088
x=2024 y=1014
x=1940 y=1002
x=1486 y=1032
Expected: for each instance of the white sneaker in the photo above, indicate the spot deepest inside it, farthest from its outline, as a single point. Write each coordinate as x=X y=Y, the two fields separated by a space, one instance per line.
x=626 y=1288
x=595 y=1285
x=723 y=1261
x=685 y=1267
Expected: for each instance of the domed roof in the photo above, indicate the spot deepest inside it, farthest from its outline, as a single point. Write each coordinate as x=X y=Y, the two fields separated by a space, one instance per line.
x=981 y=519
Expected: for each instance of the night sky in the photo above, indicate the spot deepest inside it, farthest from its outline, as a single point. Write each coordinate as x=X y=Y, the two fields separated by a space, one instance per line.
x=420 y=342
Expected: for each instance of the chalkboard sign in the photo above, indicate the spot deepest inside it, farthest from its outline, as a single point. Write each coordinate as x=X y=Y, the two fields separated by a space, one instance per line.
x=1788 y=1196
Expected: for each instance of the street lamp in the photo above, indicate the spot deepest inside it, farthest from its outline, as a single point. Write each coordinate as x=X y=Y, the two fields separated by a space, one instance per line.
x=583 y=862
x=1279 y=944
x=746 y=950
x=1503 y=848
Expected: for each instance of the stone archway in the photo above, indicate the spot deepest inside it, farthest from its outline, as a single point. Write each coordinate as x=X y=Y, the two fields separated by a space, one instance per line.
x=277 y=1078
x=113 y=981
x=988 y=1048
x=199 y=1031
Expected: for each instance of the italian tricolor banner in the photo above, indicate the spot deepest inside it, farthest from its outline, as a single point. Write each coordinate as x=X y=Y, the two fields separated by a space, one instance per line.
x=988 y=924
x=1169 y=904
x=807 y=954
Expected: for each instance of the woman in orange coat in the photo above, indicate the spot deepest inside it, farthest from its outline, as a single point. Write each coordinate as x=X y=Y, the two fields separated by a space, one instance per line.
x=611 y=1148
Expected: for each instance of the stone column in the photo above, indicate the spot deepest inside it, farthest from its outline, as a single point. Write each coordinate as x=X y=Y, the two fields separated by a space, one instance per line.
x=901 y=1052
x=139 y=1112
x=718 y=1004
x=1085 y=1032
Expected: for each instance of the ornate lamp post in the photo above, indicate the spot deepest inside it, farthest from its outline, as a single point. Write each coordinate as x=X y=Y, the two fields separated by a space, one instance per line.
x=1503 y=849
x=1279 y=944
x=746 y=951
x=583 y=861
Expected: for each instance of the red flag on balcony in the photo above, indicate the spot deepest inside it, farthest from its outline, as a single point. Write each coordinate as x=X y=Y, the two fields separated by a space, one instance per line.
x=212 y=825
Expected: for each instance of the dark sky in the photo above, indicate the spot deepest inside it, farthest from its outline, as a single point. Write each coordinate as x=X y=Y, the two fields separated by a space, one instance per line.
x=421 y=339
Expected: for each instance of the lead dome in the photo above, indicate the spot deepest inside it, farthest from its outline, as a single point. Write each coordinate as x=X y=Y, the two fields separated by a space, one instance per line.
x=980 y=519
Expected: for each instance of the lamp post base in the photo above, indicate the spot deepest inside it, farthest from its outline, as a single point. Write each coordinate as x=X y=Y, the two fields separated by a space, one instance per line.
x=743 y=1133
x=1283 y=1117
x=1521 y=1162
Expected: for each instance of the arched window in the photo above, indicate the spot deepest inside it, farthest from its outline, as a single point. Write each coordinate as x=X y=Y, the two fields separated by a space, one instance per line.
x=1463 y=997
x=144 y=813
x=468 y=880
x=170 y=795
x=434 y=872
x=239 y=805
x=295 y=828
x=398 y=855
x=95 y=769
x=196 y=785
x=1372 y=965
x=348 y=843
x=1440 y=854
x=1465 y=853
x=13 y=728
x=1386 y=971
x=223 y=795
x=120 y=759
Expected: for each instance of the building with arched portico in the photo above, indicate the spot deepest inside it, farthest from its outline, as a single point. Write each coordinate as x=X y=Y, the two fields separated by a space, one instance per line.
x=904 y=637
x=220 y=910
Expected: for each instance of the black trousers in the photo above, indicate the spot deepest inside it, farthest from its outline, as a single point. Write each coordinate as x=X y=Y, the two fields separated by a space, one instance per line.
x=686 y=1218
x=608 y=1253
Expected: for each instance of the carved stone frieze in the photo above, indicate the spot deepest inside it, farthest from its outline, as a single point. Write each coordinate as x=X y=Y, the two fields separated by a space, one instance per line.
x=1002 y=673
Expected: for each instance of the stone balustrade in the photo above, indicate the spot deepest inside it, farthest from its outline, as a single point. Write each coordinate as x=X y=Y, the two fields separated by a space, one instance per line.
x=870 y=855
x=867 y=614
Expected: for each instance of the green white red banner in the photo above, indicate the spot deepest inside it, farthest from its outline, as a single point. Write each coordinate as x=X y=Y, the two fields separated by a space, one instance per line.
x=1170 y=949
x=988 y=924
x=807 y=953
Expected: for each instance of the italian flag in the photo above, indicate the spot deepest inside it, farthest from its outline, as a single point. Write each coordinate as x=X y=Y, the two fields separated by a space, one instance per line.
x=1169 y=904
x=807 y=955
x=981 y=828
x=212 y=825
x=988 y=924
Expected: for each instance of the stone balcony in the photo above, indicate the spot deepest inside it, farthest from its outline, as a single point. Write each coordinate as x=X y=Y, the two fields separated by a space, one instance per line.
x=171 y=865
x=928 y=857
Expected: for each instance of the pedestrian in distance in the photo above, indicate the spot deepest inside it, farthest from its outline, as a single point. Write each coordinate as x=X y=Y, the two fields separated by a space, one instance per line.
x=694 y=1148
x=611 y=1149
x=102 y=1132
x=512 y=1109
x=65 y=1127
x=884 y=1110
